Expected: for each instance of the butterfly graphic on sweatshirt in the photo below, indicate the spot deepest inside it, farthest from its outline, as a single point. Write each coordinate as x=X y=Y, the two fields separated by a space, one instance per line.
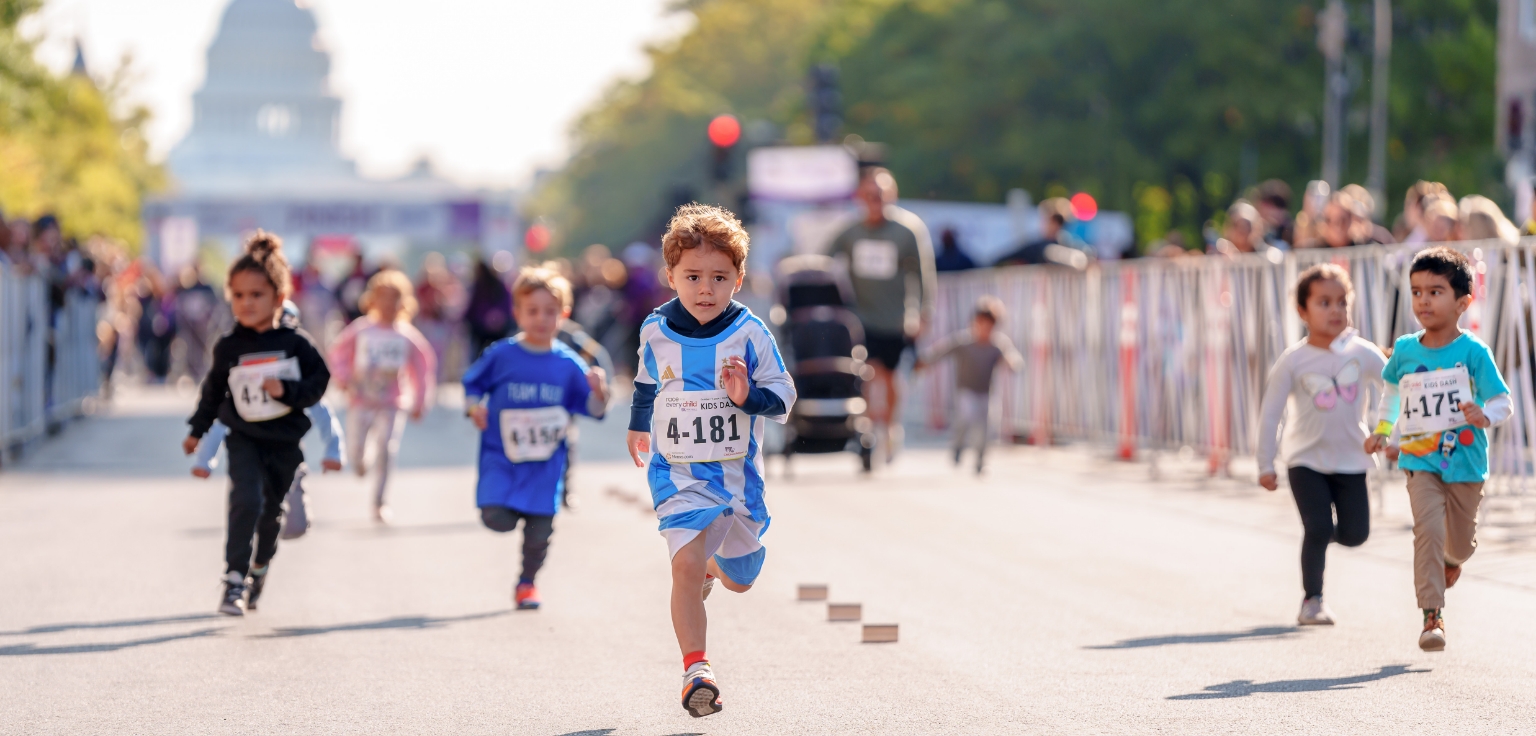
x=1328 y=391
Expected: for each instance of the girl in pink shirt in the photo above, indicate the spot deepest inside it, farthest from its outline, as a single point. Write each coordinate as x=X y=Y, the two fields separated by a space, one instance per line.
x=386 y=367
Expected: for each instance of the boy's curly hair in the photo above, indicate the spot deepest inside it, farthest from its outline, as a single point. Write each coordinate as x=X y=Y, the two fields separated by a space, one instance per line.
x=704 y=225
x=264 y=255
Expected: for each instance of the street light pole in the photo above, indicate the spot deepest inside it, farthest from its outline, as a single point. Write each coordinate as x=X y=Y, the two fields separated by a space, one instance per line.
x=1330 y=40
x=1376 y=179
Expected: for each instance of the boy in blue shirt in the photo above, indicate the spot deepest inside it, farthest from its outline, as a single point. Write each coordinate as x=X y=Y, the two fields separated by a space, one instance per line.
x=521 y=394
x=1443 y=392
x=709 y=375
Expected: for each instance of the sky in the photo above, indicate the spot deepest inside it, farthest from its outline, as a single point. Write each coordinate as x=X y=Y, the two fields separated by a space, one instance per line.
x=486 y=88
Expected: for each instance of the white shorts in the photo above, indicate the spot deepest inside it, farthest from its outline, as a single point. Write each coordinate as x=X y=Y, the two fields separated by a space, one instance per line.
x=731 y=536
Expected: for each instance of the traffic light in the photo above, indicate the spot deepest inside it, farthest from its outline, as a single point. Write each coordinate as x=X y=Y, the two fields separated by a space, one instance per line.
x=826 y=102
x=724 y=132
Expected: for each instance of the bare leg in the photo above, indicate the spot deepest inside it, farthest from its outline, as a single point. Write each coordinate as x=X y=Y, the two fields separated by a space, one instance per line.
x=724 y=579
x=688 y=618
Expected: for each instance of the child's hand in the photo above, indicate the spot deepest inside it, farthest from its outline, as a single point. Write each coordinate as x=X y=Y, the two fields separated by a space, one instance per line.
x=918 y=366
x=1375 y=443
x=638 y=443
x=480 y=416
x=273 y=387
x=1269 y=481
x=598 y=380
x=1475 y=415
x=201 y=472
x=734 y=375
x=417 y=413
x=189 y=445
x=330 y=465
x=1393 y=451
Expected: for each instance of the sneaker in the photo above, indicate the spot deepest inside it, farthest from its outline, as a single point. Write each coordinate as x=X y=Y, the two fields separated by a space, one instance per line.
x=1452 y=574
x=383 y=514
x=894 y=436
x=258 y=580
x=958 y=453
x=234 y=593
x=1314 y=613
x=526 y=597
x=701 y=696
x=1433 y=638
x=709 y=585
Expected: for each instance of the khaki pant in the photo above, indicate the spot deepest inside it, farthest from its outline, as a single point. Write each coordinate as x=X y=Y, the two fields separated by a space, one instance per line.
x=1444 y=530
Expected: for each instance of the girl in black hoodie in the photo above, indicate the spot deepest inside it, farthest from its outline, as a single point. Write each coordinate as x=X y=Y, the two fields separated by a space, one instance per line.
x=263 y=376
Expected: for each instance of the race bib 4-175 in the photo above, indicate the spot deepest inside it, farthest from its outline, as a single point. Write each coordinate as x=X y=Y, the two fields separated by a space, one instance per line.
x=699 y=427
x=1431 y=401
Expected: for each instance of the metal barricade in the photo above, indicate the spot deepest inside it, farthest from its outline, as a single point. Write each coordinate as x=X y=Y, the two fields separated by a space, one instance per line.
x=34 y=395
x=1163 y=354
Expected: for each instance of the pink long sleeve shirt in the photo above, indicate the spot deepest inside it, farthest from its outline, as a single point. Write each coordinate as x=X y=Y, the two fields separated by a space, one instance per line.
x=383 y=366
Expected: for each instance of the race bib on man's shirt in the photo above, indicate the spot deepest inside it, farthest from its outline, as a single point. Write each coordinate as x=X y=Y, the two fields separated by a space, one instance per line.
x=1431 y=401
x=533 y=435
x=699 y=427
x=251 y=400
x=874 y=259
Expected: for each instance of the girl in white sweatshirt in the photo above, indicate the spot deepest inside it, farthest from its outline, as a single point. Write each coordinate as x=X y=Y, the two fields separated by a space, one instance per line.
x=1330 y=380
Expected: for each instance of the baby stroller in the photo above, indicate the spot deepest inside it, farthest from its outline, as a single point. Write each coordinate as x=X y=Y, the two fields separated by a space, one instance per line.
x=826 y=358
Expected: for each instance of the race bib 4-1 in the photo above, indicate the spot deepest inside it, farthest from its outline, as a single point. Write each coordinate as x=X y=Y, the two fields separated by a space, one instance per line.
x=699 y=427
x=1431 y=401
x=874 y=259
x=533 y=435
x=251 y=400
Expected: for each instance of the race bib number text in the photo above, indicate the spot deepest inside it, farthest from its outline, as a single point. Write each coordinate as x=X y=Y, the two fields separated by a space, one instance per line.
x=251 y=400
x=533 y=435
x=1431 y=401
x=699 y=427
x=874 y=259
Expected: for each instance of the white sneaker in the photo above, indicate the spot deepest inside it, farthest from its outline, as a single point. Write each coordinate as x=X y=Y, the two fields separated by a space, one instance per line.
x=709 y=585
x=1314 y=613
x=383 y=514
x=701 y=696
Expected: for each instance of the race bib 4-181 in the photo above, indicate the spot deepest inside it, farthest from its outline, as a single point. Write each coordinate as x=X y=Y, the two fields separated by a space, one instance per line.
x=1431 y=401
x=699 y=427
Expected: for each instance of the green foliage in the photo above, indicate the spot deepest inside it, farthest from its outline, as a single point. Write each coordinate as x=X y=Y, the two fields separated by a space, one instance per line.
x=63 y=145
x=1166 y=109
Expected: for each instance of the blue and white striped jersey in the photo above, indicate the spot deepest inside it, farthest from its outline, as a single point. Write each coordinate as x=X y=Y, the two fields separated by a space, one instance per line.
x=673 y=362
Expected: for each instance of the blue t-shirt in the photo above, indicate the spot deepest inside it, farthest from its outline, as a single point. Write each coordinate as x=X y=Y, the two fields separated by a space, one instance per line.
x=512 y=377
x=1459 y=455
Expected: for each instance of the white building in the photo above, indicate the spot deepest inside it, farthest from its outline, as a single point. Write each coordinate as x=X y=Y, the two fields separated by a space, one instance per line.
x=262 y=153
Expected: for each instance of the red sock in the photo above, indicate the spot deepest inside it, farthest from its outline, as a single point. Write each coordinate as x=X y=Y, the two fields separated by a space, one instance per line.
x=692 y=658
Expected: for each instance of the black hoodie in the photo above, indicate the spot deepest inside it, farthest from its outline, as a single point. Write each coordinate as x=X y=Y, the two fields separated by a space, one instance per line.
x=243 y=342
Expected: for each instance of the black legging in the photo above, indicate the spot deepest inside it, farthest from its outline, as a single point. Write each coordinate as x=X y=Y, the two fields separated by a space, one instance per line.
x=259 y=476
x=1318 y=497
x=536 y=533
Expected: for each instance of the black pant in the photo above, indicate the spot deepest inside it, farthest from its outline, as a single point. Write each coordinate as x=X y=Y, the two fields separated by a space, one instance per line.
x=259 y=476
x=1318 y=497
x=536 y=533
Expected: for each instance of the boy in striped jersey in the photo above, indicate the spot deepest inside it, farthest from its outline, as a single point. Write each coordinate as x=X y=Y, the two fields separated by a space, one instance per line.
x=710 y=375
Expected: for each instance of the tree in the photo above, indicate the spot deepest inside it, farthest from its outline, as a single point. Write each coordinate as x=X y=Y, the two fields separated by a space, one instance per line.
x=64 y=145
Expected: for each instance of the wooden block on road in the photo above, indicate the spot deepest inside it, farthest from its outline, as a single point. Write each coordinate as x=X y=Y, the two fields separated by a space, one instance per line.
x=879 y=633
x=813 y=592
x=845 y=611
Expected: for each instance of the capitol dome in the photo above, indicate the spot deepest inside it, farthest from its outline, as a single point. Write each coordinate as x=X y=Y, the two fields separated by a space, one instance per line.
x=265 y=115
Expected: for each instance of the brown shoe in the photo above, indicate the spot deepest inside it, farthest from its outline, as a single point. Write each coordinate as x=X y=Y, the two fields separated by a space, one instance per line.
x=1452 y=574
x=1433 y=637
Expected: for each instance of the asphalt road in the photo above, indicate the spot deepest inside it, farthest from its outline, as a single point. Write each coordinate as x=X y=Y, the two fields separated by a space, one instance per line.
x=1059 y=594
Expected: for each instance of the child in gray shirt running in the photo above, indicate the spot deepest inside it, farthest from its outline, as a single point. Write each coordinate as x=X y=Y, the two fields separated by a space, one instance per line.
x=977 y=352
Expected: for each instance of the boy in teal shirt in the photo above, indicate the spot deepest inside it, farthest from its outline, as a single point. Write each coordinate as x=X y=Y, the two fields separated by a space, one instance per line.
x=1443 y=392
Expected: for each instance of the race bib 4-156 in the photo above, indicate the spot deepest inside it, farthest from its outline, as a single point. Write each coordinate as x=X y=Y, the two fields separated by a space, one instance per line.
x=533 y=435
x=699 y=427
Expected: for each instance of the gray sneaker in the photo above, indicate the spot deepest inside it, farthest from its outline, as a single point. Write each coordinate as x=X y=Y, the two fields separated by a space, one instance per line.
x=296 y=521
x=1314 y=613
x=234 y=595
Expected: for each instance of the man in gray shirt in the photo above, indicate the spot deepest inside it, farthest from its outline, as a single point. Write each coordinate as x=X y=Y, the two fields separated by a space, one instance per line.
x=977 y=352
x=889 y=256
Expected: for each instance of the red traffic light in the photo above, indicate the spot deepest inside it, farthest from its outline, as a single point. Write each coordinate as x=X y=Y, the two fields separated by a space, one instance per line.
x=724 y=131
x=1084 y=207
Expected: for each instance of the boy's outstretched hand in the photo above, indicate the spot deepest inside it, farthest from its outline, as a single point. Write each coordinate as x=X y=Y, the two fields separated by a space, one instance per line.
x=598 y=380
x=330 y=465
x=189 y=445
x=1269 y=481
x=480 y=415
x=734 y=375
x=638 y=442
x=201 y=473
